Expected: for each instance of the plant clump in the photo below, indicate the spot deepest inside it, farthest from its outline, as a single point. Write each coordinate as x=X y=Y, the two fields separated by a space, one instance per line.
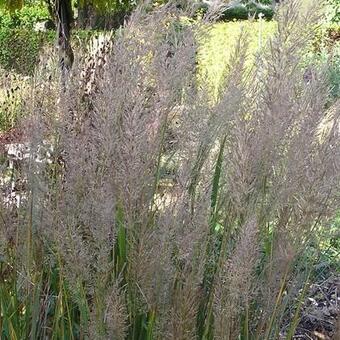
x=100 y=248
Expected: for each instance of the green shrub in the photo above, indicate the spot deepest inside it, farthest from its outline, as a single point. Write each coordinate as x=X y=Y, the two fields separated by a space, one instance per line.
x=334 y=76
x=244 y=11
x=334 y=11
x=19 y=48
x=14 y=90
x=23 y=18
x=239 y=12
x=325 y=50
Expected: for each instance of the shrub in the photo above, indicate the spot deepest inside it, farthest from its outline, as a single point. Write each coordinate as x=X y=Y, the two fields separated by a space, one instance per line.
x=242 y=10
x=95 y=249
x=25 y=18
x=19 y=48
x=334 y=11
x=325 y=52
x=13 y=93
x=333 y=74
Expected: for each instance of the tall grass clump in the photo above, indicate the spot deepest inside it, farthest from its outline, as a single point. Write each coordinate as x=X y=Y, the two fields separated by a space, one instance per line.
x=149 y=211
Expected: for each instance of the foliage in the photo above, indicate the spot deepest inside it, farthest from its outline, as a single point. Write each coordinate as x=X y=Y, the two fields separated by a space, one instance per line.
x=216 y=46
x=335 y=11
x=99 y=247
x=325 y=50
x=243 y=10
x=105 y=6
x=249 y=9
x=16 y=14
x=14 y=90
x=25 y=17
x=103 y=14
x=19 y=48
x=334 y=75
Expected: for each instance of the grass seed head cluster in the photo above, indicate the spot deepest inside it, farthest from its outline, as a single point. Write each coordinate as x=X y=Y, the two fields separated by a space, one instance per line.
x=110 y=243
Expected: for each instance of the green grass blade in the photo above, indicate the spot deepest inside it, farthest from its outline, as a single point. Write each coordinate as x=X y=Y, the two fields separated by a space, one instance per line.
x=295 y=320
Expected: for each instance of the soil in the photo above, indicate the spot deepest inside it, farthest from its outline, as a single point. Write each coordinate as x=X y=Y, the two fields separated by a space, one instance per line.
x=320 y=315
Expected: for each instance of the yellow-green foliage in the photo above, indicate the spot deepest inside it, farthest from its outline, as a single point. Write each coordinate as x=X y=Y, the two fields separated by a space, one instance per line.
x=14 y=90
x=219 y=42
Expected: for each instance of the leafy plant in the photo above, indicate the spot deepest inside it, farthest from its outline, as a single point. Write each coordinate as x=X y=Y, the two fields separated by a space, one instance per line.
x=26 y=17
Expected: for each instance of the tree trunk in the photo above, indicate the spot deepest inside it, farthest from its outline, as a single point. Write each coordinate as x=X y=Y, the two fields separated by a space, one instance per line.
x=61 y=12
x=64 y=20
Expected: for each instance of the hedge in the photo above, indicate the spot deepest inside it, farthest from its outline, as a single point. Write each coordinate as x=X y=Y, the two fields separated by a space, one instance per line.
x=20 y=47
